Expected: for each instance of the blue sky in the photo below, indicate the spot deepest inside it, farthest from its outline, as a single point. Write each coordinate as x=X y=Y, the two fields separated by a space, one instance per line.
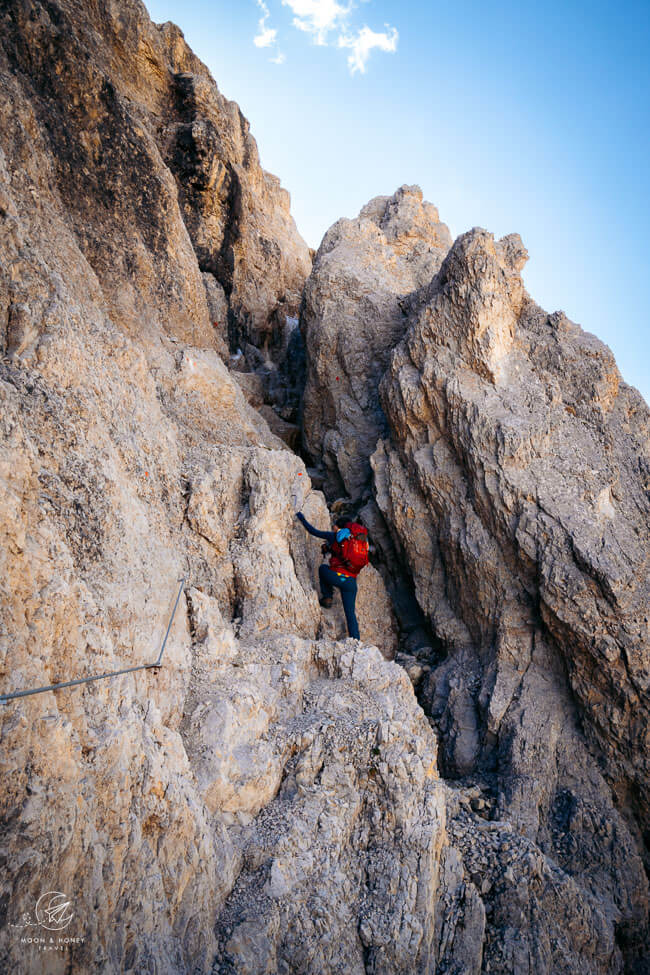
x=511 y=116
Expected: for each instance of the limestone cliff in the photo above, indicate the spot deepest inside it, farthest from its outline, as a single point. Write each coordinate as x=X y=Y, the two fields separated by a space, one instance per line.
x=273 y=798
x=130 y=458
x=512 y=483
x=352 y=318
x=157 y=172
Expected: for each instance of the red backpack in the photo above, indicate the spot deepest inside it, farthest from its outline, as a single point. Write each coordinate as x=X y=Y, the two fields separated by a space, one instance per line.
x=355 y=549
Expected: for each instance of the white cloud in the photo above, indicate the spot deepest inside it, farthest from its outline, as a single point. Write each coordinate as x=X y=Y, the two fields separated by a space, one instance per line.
x=322 y=18
x=365 y=41
x=266 y=35
x=265 y=38
x=318 y=17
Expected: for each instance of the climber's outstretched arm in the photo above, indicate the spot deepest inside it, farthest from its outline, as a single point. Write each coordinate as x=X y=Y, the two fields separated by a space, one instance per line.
x=328 y=536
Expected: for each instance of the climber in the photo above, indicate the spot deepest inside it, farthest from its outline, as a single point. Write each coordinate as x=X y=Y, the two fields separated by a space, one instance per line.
x=348 y=548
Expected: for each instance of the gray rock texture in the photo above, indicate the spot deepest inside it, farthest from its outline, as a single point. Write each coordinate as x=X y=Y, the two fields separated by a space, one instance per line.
x=518 y=468
x=502 y=481
x=155 y=169
x=129 y=458
x=340 y=870
x=352 y=318
x=513 y=483
x=273 y=798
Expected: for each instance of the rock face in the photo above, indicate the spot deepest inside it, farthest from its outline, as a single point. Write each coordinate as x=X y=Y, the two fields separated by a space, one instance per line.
x=340 y=870
x=352 y=318
x=237 y=214
x=270 y=799
x=155 y=168
x=514 y=485
x=518 y=467
x=130 y=458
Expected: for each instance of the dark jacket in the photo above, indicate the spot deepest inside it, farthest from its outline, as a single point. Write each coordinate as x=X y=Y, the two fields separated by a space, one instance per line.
x=337 y=562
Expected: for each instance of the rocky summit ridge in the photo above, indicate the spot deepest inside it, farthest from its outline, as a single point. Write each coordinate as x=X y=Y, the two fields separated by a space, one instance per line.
x=463 y=791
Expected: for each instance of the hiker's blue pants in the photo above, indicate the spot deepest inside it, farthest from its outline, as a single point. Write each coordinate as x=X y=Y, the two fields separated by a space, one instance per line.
x=329 y=580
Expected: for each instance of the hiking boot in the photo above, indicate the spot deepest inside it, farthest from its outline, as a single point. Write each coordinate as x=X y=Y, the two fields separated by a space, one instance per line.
x=326 y=601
